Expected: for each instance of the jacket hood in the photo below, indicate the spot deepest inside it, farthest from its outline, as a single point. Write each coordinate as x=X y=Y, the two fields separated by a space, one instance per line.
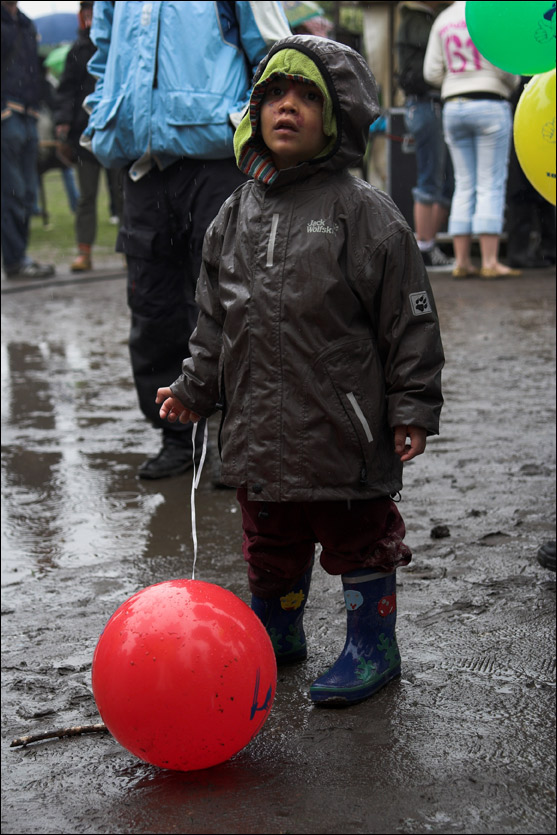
x=350 y=103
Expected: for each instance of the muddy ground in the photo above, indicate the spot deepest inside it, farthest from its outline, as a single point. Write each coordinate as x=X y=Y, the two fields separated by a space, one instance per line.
x=464 y=742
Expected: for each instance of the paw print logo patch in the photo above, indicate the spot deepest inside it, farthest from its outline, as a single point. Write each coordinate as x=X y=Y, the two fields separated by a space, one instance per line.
x=420 y=303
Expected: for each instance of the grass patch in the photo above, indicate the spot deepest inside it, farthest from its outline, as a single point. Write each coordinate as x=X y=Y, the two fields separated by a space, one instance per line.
x=57 y=240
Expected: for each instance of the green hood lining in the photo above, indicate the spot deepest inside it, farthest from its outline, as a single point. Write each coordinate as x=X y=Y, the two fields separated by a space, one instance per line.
x=252 y=155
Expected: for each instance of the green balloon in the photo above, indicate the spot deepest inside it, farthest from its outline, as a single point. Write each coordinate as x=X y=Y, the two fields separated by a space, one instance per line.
x=517 y=37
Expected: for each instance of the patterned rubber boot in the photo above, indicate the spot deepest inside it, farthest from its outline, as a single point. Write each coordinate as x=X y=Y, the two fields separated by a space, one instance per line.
x=370 y=657
x=283 y=618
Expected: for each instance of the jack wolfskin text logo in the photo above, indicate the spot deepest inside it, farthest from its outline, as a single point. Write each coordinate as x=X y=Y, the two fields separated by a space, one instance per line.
x=420 y=303
x=322 y=226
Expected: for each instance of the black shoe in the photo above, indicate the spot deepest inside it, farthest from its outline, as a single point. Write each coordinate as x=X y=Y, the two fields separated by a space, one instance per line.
x=172 y=460
x=435 y=259
x=546 y=555
x=31 y=269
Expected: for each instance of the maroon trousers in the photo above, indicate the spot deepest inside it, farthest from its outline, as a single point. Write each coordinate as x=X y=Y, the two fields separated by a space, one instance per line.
x=280 y=537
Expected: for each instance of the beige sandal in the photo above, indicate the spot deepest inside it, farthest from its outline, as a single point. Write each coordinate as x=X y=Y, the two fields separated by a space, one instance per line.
x=491 y=272
x=465 y=272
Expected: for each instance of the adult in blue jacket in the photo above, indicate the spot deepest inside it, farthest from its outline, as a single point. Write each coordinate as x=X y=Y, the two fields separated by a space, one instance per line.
x=172 y=79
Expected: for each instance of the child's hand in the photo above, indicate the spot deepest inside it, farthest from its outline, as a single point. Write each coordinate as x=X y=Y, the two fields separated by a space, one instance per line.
x=172 y=408
x=417 y=443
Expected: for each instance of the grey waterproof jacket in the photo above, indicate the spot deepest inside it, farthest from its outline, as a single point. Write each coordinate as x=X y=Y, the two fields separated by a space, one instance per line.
x=317 y=331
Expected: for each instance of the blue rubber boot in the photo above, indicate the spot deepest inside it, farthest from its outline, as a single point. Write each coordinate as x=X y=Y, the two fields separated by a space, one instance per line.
x=370 y=657
x=283 y=618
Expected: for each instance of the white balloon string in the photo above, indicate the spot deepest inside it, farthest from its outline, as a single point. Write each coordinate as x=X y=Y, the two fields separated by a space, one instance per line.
x=194 y=484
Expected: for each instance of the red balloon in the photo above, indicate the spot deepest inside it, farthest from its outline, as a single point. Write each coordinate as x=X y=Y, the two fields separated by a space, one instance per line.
x=184 y=674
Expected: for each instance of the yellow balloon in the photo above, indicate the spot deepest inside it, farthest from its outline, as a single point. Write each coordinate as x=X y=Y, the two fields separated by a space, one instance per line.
x=534 y=133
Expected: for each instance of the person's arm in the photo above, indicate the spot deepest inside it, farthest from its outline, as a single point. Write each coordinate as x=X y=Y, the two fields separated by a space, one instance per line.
x=65 y=95
x=409 y=341
x=262 y=24
x=388 y=274
x=101 y=35
x=435 y=67
x=198 y=385
x=510 y=81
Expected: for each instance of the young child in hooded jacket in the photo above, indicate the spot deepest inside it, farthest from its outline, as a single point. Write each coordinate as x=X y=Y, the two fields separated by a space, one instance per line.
x=318 y=339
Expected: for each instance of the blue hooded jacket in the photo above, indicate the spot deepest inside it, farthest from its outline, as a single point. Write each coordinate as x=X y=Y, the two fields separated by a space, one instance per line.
x=171 y=75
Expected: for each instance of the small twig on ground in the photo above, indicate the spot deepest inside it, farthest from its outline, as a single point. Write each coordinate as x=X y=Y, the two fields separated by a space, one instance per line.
x=75 y=731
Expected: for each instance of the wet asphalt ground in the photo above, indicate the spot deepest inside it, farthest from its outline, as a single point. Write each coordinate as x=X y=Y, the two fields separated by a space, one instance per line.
x=463 y=742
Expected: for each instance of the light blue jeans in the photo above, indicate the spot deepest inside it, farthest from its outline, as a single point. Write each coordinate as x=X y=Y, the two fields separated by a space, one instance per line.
x=478 y=135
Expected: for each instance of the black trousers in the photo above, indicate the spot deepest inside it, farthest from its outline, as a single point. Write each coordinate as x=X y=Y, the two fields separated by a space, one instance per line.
x=166 y=214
